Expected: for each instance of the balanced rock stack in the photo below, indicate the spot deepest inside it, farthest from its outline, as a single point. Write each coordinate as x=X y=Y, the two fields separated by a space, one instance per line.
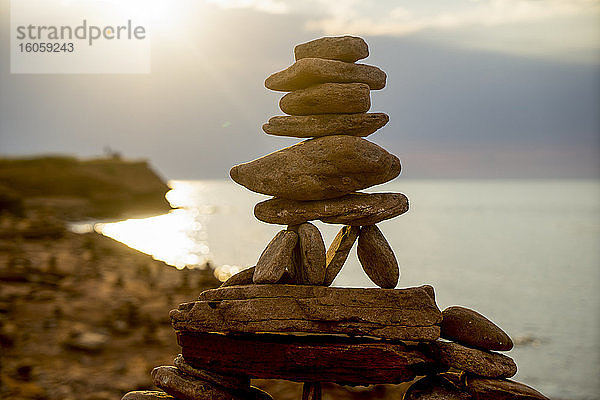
x=280 y=319
x=318 y=179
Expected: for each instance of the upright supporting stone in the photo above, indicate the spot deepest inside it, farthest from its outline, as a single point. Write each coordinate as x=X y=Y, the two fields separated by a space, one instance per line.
x=311 y=254
x=311 y=391
x=276 y=258
x=377 y=257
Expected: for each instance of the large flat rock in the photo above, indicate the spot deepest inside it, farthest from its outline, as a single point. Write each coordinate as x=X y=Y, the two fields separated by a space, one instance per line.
x=355 y=209
x=328 y=98
x=320 y=168
x=305 y=126
x=343 y=48
x=312 y=71
x=305 y=359
x=404 y=314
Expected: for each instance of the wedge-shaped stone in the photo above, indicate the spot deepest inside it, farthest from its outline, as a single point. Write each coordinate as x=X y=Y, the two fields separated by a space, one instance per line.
x=473 y=329
x=404 y=314
x=244 y=277
x=276 y=258
x=475 y=361
x=500 y=389
x=338 y=251
x=377 y=257
x=356 y=209
x=343 y=48
x=327 y=98
x=305 y=126
x=314 y=358
x=312 y=71
x=310 y=268
x=320 y=168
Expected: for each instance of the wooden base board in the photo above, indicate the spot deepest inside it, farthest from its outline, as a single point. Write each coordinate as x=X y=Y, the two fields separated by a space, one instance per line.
x=312 y=358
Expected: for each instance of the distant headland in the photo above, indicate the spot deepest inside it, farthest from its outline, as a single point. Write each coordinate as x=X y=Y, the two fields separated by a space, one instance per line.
x=73 y=188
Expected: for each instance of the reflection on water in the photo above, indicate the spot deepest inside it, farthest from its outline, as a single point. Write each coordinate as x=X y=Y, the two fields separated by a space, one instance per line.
x=179 y=238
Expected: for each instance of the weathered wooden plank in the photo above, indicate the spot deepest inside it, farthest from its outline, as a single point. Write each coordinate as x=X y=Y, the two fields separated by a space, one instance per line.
x=311 y=391
x=405 y=314
x=306 y=358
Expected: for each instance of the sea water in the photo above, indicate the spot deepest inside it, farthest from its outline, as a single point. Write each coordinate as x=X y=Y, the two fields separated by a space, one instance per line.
x=523 y=253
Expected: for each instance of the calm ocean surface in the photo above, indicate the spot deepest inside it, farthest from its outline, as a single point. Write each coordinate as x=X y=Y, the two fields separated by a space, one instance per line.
x=524 y=253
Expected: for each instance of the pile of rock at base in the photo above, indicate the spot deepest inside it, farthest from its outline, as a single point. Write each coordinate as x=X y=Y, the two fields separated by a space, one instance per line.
x=280 y=319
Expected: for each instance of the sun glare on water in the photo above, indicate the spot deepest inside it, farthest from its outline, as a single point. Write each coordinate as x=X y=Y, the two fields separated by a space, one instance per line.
x=175 y=238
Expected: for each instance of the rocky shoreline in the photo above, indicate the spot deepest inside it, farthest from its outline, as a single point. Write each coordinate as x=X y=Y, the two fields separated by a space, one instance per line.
x=78 y=311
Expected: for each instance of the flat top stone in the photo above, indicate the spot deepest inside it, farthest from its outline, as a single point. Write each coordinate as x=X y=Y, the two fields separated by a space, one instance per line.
x=311 y=71
x=356 y=209
x=343 y=48
x=319 y=168
x=473 y=329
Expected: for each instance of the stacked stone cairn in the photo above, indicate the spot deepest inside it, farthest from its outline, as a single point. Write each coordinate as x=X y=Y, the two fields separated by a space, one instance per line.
x=280 y=319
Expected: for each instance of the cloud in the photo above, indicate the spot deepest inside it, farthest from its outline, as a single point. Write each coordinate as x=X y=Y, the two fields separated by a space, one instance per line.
x=268 y=6
x=399 y=21
x=557 y=29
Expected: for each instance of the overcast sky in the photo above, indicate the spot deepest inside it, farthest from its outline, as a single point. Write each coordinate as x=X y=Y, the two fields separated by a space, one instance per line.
x=476 y=89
